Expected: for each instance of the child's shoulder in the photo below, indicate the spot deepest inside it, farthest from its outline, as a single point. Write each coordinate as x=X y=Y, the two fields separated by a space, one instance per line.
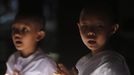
x=42 y=56
x=112 y=56
x=83 y=59
x=14 y=55
x=12 y=58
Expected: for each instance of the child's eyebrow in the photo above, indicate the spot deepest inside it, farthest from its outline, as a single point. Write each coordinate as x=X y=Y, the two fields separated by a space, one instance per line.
x=96 y=24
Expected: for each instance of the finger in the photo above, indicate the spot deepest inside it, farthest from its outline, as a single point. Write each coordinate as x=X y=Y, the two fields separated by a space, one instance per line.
x=16 y=72
x=63 y=69
x=75 y=71
x=56 y=73
x=59 y=73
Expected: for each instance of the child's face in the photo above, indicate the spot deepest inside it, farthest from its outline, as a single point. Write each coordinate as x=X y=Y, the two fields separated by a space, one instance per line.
x=25 y=37
x=94 y=32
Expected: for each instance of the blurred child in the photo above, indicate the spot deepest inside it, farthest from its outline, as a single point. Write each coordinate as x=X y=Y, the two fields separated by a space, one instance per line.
x=27 y=32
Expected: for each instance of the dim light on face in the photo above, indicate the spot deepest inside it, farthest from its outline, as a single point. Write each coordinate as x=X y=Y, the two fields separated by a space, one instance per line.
x=94 y=32
x=24 y=36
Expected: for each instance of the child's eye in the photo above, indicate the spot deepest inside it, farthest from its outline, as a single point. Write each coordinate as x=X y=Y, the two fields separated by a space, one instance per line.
x=15 y=30
x=100 y=26
x=25 y=30
x=83 y=27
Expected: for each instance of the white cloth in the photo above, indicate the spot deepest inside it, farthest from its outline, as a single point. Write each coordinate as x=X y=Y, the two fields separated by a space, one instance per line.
x=102 y=63
x=36 y=64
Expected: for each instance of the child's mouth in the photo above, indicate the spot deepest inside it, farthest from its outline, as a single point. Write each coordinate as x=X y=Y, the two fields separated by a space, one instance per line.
x=91 y=41
x=18 y=42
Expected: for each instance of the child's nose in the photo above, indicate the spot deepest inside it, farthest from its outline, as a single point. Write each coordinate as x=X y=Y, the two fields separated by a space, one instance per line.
x=91 y=33
x=17 y=36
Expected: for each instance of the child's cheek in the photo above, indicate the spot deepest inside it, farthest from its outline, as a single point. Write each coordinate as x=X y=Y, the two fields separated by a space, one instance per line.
x=101 y=40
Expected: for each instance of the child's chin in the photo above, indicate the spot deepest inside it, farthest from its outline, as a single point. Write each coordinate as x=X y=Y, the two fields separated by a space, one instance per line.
x=92 y=47
x=19 y=48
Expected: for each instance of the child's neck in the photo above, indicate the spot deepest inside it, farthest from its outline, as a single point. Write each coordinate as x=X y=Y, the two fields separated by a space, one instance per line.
x=27 y=53
x=99 y=50
x=105 y=47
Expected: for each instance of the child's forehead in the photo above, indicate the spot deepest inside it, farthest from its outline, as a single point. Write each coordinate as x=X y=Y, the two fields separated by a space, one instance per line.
x=93 y=19
x=23 y=24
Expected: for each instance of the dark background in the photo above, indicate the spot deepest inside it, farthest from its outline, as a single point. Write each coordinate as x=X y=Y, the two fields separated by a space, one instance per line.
x=62 y=33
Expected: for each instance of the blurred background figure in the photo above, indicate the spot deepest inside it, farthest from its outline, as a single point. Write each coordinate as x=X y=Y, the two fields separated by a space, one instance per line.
x=10 y=8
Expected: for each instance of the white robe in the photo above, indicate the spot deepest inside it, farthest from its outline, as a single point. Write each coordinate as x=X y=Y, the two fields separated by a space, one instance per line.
x=36 y=64
x=102 y=63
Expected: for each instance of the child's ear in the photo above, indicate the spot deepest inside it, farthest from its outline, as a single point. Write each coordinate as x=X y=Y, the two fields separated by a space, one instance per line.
x=41 y=35
x=115 y=28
